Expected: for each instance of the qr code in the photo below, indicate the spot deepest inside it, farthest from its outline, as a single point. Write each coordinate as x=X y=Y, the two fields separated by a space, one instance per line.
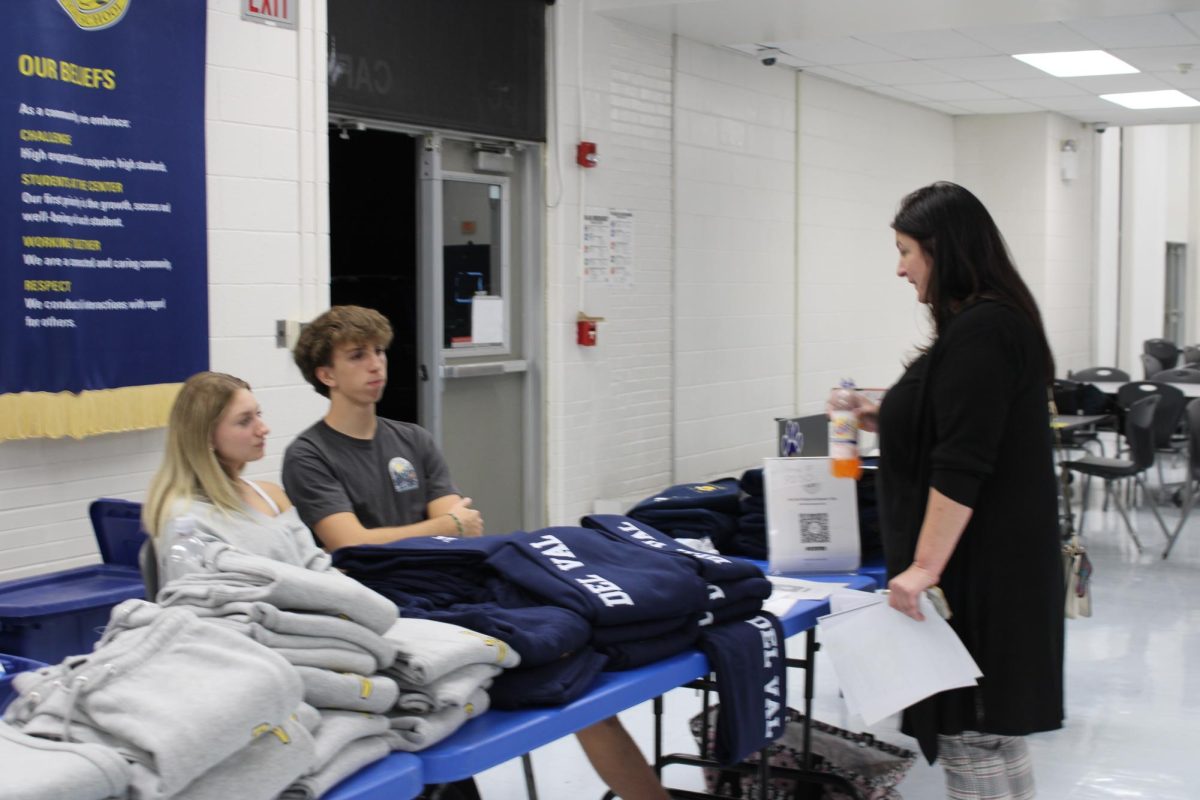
x=814 y=529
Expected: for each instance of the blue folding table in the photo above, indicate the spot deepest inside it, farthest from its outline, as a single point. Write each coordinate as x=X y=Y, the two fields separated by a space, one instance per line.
x=397 y=777
x=499 y=736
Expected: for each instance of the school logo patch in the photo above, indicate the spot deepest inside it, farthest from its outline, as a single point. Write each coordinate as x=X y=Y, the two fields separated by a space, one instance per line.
x=94 y=15
x=404 y=475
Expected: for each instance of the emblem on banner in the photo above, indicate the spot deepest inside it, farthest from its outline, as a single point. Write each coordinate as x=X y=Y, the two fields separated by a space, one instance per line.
x=94 y=15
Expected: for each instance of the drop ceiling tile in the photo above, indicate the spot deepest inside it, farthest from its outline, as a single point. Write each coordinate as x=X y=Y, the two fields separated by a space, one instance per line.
x=1150 y=30
x=1035 y=87
x=1107 y=84
x=929 y=44
x=899 y=94
x=945 y=108
x=833 y=52
x=953 y=91
x=1006 y=105
x=1089 y=103
x=985 y=68
x=1185 y=81
x=897 y=72
x=784 y=57
x=1159 y=59
x=1191 y=20
x=1040 y=37
x=835 y=74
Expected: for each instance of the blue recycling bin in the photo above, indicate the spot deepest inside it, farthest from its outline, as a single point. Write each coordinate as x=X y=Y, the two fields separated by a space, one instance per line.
x=49 y=617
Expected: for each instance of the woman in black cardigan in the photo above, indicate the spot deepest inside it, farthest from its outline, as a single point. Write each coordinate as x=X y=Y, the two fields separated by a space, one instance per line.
x=968 y=499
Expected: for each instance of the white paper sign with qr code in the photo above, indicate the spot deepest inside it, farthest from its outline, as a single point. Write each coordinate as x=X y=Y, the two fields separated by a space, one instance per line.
x=812 y=517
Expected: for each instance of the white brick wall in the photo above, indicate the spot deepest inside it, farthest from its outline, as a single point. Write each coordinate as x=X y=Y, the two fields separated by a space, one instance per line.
x=608 y=407
x=696 y=357
x=265 y=123
x=735 y=149
x=1012 y=163
x=859 y=153
x=1068 y=286
x=1144 y=211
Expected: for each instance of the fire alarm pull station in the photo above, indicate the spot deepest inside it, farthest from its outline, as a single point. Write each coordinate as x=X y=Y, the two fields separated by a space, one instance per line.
x=585 y=329
x=585 y=154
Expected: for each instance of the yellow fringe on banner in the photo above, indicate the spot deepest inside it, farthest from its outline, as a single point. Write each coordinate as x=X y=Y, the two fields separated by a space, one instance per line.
x=46 y=415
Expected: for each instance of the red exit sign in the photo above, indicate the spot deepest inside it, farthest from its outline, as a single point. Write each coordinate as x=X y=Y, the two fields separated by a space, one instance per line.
x=271 y=12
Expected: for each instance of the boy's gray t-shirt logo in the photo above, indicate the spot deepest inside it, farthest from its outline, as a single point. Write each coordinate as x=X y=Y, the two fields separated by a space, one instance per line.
x=404 y=475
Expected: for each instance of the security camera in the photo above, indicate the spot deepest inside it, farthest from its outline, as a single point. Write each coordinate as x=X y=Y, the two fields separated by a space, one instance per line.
x=768 y=55
x=1099 y=127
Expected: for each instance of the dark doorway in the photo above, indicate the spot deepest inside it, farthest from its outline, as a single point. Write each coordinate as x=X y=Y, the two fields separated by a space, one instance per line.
x=373 y=246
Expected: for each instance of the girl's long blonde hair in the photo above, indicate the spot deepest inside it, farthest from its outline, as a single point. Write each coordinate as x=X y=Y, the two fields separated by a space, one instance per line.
x=190 y=468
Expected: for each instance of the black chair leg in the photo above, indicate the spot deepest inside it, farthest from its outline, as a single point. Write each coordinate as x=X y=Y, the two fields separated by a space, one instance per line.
x=1116 y=499
x=1188 y=502
x=1154 y=507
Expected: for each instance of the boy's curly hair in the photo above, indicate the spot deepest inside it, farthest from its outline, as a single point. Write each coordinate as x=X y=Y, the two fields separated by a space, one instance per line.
x=337 y=326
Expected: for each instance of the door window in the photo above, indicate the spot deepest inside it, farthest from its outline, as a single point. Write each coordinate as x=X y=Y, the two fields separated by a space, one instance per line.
x=475 y=303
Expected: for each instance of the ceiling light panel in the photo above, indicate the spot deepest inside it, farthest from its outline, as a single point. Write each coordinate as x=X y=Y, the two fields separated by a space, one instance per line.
x=1165 y=98
x=1077 y=63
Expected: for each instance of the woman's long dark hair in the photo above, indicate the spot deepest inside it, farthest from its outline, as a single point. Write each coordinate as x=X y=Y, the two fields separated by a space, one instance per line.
x=970 y=260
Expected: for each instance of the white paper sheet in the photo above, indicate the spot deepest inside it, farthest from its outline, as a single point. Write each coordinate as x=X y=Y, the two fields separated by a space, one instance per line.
x=886 y=661
x=785 y=592
x=487 y=319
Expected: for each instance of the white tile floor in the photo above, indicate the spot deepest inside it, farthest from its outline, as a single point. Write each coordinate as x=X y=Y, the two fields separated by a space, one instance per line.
x=1133 y=691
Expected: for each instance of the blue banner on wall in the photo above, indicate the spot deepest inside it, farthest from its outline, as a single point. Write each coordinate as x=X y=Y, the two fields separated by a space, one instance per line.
x=104 y=255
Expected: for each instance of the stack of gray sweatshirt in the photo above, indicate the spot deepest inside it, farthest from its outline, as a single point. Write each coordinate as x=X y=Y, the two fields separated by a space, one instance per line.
x=443 y=671
x=327 y=626
x=166 y=706
x=261 y=672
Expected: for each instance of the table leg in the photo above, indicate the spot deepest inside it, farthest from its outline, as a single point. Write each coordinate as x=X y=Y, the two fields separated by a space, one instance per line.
x=658 y=733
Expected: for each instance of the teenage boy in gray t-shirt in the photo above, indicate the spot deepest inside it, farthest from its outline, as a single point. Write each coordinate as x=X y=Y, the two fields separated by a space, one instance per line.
x=359 y=479
x=356 y=478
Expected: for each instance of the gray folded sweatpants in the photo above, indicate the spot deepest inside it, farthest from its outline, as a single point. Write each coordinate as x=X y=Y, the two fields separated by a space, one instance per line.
x=452 y=689
x=357 y=755
x=259 y=771
x=416 y=732
x=184 y=694
x=232 y=576
x=275 y=627
x=324 y=688
x=428 y=649
x=41 y=769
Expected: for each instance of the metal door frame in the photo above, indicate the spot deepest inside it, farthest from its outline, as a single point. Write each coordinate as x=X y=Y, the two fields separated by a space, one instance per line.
x=431 y=321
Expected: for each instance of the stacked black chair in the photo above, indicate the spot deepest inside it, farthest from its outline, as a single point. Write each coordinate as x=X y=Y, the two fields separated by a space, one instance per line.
x=1102 y=374
x=1167 y=352
x=1178 y=375
x=1191 y=355
x=1166 y=417
x=1150 y=365
x=1191 y=488
x=1139 y=434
